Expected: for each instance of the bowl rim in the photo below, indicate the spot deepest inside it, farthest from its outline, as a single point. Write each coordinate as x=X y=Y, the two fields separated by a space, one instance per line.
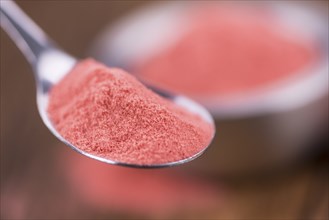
x=287 y=94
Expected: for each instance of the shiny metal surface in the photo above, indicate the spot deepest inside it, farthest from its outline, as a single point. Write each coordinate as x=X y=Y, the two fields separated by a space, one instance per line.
x=258 y=130
x=51 y=64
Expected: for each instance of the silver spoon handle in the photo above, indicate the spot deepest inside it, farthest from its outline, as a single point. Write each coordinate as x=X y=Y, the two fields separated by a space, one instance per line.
x=28 y=37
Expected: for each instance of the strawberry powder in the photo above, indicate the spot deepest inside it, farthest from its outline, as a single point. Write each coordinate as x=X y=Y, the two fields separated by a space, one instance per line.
x=108 y=113
x=226 y=51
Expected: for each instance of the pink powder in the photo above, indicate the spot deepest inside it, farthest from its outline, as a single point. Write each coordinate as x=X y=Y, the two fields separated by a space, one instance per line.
x=227 y=50
x=108 y=113
x=136 y=191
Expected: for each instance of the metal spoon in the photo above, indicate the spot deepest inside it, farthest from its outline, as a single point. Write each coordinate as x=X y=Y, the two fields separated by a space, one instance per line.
x=51 y=64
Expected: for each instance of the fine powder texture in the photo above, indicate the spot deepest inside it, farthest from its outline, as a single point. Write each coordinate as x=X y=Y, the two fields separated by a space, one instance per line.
x=108 y=113
x=227 y=51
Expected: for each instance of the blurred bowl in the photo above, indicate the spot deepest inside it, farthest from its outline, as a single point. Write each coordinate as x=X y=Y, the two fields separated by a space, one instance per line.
x=257 y=130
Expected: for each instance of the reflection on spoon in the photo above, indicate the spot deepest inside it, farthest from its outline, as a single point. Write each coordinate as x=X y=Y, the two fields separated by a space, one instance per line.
x=53 y=67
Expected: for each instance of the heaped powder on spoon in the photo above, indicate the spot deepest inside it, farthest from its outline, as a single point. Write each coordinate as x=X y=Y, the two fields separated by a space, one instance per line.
x=227 y=50
x=108 y=113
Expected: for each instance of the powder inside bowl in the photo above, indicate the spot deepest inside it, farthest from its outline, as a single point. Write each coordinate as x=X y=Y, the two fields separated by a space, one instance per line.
x=108 y=113
x=227 y=50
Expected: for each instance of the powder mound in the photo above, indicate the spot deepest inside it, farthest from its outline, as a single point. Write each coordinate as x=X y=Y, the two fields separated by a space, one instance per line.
x=108 y=113
x=225 y=51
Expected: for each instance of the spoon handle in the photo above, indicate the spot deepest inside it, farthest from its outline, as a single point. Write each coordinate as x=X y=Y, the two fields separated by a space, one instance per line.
x=28 y=37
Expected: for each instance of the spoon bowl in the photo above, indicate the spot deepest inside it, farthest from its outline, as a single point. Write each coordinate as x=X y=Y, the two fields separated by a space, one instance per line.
x=261 y=129
x=51 y=64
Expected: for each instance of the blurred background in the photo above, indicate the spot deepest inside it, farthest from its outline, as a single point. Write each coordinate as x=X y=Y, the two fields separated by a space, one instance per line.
x=259 y=166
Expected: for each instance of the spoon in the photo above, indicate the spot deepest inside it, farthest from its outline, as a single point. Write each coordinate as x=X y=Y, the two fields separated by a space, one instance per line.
x=51 y=64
